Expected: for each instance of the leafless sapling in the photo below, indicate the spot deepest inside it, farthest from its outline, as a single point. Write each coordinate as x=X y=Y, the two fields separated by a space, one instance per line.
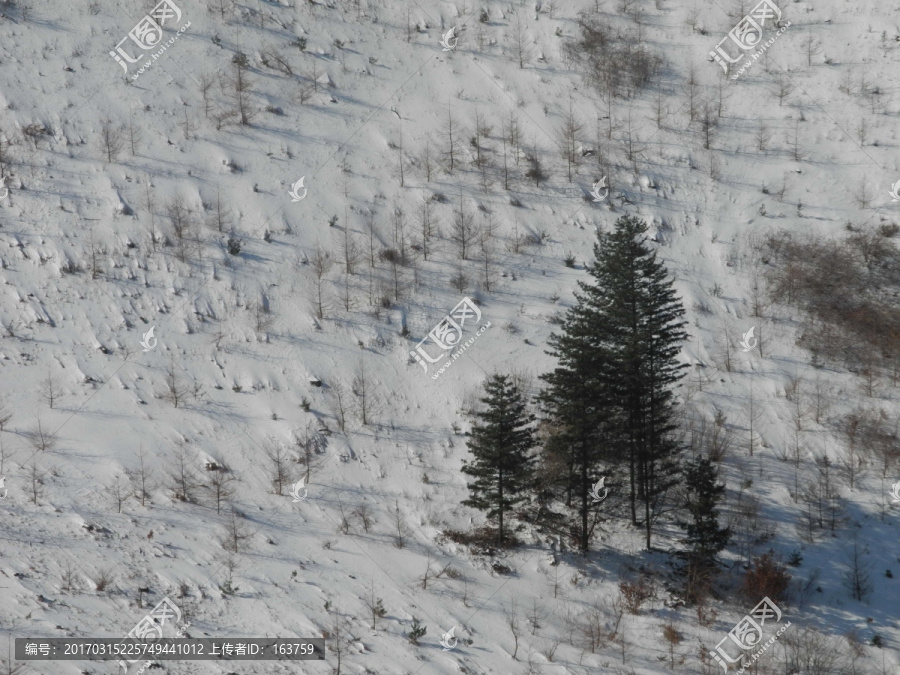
x=321 y=265
x=183 y=479
x=176 y=391
x=50 y=388
x=36 y=476
x=142 y=477
x=240 y=86
x=521 y=47
x=280 y=471
x=110 y=141
x=364 y=390
x=237 y=534
x=119 y=491
x=41 y=438
x=463 y=231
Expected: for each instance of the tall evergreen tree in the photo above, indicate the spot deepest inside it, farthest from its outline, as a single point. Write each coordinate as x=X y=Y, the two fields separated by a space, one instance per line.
x=577 y=412
x=641 y=322
x=618 y=357
x=500 y=443
x=704 y=536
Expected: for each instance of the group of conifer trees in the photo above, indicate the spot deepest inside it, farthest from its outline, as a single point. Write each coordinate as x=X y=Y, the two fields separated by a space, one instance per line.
x=606 y=411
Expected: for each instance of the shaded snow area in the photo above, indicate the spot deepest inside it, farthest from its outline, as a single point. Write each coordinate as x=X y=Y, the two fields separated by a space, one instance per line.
x=292 y=194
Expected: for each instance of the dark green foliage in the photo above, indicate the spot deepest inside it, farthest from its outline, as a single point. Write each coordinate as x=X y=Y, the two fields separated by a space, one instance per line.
x=500 y=443
x=416 y=632
x=610 y=398
x=234 y=246
x=704 y=536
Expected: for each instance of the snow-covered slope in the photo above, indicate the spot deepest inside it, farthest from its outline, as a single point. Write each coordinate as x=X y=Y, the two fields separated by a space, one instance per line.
x=99 y=167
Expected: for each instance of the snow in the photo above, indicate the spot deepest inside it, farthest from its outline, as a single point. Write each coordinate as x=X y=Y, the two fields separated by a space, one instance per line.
x=245 y=395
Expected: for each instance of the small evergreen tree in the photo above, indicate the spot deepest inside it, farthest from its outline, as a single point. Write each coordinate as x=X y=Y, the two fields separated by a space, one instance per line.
x=500 y=443
x=704 y=536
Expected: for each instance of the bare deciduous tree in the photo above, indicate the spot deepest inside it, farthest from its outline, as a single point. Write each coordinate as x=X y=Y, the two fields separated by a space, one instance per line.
x=451 y=131
x=568 y=139
x=463 y=231
x=5 y=417
x=143 y=477
x=240 y=84
x=364 y=390
x=273 y=58
x=349 y=250
x=220 y=217
x=119 y=491
x=781 y=88
x=857 y=577
x=401 y=529
x=110 y=141
x=521 y=46
x=184 y=481
x=135 y=134
x=41 y=438
x=426 y=159
x=219 y=485
x=50 y=388
x=176 y=390
x=36 y=476
x=511 y=614
x=237 y=533
x=321 y=265
x=811 y=46
x=374 y=604
x=280 y=472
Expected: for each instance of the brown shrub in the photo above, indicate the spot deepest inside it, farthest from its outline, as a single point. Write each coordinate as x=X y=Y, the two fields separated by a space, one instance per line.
x=767 y=577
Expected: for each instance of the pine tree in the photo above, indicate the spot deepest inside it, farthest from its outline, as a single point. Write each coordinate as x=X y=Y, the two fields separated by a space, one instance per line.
x=640 y=322
x=611 y=397
x=573 y=405
x=704 y=536
x=500 y=443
